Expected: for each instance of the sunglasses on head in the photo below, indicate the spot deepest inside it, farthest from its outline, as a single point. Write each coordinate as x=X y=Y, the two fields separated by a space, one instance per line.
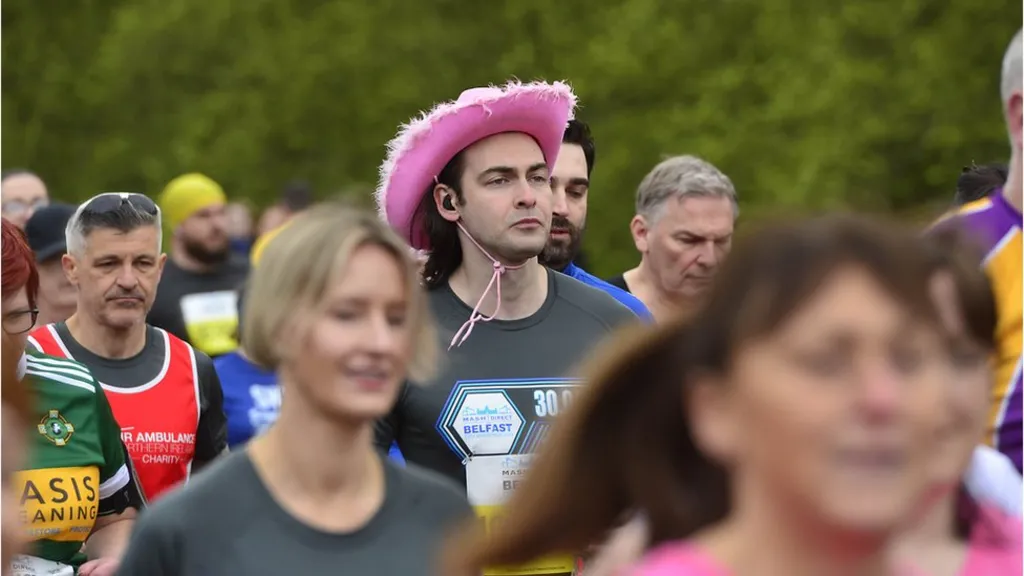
x=114 y=200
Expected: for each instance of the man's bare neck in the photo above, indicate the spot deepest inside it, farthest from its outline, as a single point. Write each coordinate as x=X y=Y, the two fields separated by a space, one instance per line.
x=523 y=290
x=661 y=305
x=104 y=341
x=1013 y=190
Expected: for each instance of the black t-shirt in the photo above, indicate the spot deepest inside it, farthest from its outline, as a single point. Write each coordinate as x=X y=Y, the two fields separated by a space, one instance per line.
x=227 y=522
x=619 y=282
x=144 y=367
x=201 y=309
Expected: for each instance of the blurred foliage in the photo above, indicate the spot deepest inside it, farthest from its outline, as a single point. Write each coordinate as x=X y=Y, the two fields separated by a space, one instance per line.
x=871 y=104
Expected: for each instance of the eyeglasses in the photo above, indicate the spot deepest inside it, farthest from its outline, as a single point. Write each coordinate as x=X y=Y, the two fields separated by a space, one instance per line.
x=112 y=201
x=20 y=321
x=18 y=207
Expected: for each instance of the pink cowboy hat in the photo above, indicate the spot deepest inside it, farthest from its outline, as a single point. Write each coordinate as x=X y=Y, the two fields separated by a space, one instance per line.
x=426 y=144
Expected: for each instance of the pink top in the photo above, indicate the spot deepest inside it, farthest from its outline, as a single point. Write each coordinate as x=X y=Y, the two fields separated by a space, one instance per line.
x=685 y=559
x=995 y=548
x=676 y=558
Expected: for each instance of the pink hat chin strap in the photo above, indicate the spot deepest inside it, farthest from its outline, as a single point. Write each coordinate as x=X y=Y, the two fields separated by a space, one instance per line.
x=475 y=316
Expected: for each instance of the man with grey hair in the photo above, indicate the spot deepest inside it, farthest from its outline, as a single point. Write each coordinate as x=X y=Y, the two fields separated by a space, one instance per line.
x=995 y=224
x=685 y=213
x=164 y=394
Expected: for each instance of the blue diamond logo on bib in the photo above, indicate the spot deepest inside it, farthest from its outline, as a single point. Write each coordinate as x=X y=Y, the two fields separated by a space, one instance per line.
x=56 y=428
x=487 y=422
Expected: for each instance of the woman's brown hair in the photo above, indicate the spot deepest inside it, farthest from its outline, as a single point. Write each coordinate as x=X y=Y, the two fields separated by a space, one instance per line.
x=626 y=446
x=956 y=252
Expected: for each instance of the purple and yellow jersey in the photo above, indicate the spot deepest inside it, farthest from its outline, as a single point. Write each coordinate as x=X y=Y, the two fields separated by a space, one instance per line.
x=996 y=224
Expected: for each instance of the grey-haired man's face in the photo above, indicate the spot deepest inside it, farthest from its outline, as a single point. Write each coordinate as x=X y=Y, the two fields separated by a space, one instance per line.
x=686 y=243
x=117 y=274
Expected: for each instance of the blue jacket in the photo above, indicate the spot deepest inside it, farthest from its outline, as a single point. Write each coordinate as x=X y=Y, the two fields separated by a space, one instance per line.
x=624 y=298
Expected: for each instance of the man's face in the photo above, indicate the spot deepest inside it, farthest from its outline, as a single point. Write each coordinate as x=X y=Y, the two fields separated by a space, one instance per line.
x=686 y=242
x=1015 y=119
x=20 y=196
x=117 y=275
x=56 y=293
x=507 y=196
x=569 y=186
x=205 y=235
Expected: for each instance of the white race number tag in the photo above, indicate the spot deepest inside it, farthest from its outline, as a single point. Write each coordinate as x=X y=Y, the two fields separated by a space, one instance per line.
x=23 y=565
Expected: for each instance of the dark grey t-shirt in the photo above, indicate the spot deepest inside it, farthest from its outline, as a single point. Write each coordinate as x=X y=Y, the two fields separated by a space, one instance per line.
x=226 y=522
x=502 y=353
x=201 y=309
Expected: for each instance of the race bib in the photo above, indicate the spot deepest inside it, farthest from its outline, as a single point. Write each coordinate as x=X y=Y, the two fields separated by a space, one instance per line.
x=495 y=426
x=59 y=504
x=211 y=320
x=490 y=481
x=31 y=566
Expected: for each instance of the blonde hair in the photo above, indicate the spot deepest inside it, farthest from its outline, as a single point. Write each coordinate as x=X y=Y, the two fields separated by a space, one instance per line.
x=298 y=266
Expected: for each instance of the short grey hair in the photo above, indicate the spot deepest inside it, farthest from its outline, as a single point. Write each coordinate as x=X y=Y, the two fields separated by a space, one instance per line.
x=125 y=219
x=681 y=177
x=1013 y=60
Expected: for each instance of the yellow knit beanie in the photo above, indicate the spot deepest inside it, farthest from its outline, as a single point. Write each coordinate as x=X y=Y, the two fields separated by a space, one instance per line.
x=188 y=194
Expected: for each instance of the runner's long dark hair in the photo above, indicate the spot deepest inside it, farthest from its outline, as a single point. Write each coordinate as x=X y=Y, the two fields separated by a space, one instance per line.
x=626 y=444
x=445 y=254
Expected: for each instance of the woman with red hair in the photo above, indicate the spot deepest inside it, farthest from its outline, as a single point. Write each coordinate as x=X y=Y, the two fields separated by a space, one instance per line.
x=14 y=416
x=69 y=497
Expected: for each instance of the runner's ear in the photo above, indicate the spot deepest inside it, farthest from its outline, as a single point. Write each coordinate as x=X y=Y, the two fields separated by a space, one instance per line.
x=444 y=197
x=70 y=266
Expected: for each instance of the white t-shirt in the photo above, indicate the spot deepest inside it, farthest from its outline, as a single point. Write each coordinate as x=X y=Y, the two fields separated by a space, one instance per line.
x=991 y=477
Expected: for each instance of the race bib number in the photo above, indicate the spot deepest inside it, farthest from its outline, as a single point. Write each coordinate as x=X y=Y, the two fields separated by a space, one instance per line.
x=59 y=504
x=211 y=320
x=31 y=566
x=495 y=427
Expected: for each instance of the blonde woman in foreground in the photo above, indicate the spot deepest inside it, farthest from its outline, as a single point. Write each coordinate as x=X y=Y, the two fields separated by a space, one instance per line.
x=336 y=309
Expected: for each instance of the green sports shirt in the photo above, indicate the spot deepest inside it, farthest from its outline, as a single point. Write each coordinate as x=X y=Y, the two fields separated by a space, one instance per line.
x=76 y=459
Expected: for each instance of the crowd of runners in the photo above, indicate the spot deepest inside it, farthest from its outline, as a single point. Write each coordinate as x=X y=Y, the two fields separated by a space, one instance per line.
x=441 y=388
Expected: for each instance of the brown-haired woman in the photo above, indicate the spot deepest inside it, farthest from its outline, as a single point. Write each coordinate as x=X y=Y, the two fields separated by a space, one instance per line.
x=788 y=428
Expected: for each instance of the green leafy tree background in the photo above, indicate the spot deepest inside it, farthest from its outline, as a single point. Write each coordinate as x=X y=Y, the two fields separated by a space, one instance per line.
x=872 y=104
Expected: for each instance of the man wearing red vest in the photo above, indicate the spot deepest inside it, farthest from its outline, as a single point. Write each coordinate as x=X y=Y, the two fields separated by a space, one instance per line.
x=165 y=395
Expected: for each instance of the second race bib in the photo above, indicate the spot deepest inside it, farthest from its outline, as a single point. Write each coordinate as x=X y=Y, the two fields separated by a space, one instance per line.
x=495 y=426
x=22 y=565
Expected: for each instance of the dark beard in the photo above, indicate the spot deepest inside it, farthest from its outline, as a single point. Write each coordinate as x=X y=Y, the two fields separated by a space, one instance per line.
x=559 y=256
x=204 y=255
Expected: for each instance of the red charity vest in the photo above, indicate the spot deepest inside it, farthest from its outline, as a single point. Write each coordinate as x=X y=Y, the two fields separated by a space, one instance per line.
x=158 y=419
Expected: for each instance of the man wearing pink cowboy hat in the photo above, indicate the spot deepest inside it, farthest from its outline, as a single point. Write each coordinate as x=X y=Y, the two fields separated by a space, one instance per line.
x=468 y=182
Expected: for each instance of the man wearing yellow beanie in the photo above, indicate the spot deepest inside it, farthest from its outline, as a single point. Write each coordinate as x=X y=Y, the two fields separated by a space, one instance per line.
x=197 y=297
